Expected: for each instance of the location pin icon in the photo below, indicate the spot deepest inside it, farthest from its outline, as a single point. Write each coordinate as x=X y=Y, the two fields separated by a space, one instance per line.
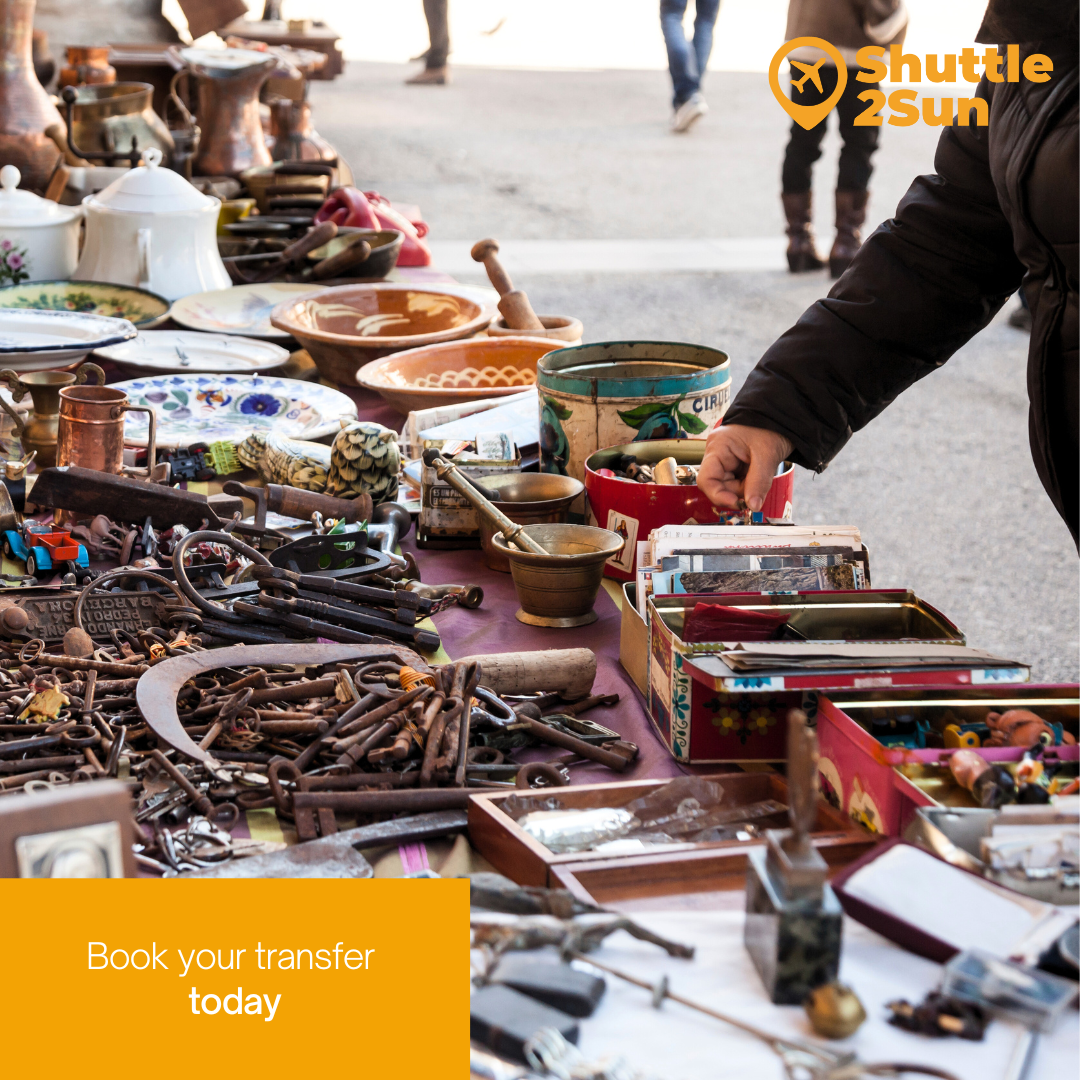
x=807 y=116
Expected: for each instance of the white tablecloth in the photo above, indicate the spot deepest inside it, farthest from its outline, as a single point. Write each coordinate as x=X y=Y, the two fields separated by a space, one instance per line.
x=676 y=1043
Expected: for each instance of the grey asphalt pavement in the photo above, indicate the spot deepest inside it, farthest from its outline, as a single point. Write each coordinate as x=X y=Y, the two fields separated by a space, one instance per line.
x=941 y=485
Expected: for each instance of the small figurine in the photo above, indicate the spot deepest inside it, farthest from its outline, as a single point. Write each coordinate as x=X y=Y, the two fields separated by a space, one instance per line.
x=991 y=785
x=1019 y=727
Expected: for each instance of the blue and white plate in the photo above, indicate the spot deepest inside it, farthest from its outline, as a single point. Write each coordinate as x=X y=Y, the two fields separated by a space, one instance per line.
x=32 y=340
x=208 y=408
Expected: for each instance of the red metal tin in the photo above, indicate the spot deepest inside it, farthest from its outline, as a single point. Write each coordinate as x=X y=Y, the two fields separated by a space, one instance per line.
x=633 y=510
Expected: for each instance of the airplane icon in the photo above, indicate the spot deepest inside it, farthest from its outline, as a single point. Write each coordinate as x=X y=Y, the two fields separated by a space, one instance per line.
x=811 y=72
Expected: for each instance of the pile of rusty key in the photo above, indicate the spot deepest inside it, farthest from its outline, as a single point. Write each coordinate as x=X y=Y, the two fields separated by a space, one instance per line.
x=370 y=739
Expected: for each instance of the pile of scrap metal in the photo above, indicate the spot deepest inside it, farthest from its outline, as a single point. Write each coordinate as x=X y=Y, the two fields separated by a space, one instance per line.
x=311 y=730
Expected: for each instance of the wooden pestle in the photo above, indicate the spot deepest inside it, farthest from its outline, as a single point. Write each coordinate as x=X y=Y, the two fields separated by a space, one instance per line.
x=513 y=303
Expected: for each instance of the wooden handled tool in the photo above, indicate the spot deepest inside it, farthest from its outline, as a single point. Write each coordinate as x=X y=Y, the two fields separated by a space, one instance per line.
x=513 y=303
x=345 y=260
x=296 y=503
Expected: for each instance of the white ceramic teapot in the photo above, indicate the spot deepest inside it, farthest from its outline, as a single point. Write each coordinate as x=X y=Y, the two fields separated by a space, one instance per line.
x=153 y=229
x=39 y=239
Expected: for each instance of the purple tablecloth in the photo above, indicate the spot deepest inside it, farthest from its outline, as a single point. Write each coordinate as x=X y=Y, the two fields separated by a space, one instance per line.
x=493 y=629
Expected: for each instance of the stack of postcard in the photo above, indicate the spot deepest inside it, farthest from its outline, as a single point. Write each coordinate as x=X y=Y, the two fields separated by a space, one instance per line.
x=700 y=559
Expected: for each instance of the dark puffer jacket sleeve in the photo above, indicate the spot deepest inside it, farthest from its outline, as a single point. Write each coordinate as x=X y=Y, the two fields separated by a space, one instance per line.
x=921 y=285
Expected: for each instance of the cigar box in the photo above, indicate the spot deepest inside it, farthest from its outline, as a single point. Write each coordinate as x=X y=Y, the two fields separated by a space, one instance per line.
x=674 y=867
x=707 y=711
x=879 y=783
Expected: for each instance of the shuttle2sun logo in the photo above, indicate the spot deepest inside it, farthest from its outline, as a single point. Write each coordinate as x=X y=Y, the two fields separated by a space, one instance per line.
x=903 y=103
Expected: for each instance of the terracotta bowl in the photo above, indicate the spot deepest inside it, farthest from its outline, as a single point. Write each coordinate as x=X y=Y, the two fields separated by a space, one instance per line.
x=562 y=328
x=455 y=371
x=348 y=326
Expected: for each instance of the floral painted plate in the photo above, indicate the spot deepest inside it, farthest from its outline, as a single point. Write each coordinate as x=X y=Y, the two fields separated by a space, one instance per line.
x=243 y=309
x=140 y=307
x=208 y=408
x=189 y=352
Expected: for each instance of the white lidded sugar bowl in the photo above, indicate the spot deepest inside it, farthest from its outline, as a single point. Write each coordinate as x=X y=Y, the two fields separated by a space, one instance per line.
x=39 y=239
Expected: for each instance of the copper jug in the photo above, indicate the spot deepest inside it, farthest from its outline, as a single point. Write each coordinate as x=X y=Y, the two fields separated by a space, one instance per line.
x=90 y=433
x=26 y=112
x=295 y=138
x=38 y=434
x=228 y=113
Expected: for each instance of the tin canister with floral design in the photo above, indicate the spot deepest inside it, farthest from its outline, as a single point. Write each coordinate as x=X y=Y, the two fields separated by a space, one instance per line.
x=594 y=396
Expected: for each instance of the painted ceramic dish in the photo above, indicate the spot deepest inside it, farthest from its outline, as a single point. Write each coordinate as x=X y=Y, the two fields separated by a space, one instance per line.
x=350 y=325
x=243 y=309
x=142 y=308
x=185 y=352
x=456 y=371
x=208 y=408
x=39 y=340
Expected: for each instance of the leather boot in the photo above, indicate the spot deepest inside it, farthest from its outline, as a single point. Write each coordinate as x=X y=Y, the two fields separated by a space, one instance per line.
x=437 y=76
x=801 y=255
x=850 y=215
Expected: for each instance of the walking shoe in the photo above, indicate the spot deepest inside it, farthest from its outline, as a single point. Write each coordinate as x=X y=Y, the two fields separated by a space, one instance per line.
x=801 y=254
x=688 y=114
x=439 y=76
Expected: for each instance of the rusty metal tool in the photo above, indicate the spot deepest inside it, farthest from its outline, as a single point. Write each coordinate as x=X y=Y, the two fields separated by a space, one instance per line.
x=295 y=503
x=156 y=693
x=363 y=620
x=552 y=736
x=346 y=590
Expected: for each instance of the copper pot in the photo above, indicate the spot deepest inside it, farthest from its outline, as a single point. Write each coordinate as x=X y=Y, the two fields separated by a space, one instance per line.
x=87 y=65
x=228 y=113
x=295 y=138
x=90 y=433
x=26 y=112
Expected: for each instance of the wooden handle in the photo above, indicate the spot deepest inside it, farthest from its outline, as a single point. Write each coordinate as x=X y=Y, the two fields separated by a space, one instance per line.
x=346 y=259
x=518 y=312
x=571 y=672
x=486 y=251
x=294 y=502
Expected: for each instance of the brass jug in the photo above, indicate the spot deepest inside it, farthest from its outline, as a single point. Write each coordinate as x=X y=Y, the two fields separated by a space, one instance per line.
x=38 y=434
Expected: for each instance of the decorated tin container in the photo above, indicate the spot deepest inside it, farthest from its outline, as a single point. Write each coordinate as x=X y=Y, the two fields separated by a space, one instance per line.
x=593 y=396
x=633 y=510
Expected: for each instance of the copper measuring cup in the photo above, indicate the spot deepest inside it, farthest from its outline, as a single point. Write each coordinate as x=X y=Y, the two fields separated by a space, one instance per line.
x=91 y=430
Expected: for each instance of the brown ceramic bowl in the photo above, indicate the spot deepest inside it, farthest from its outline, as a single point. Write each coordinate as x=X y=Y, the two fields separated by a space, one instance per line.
x=562 y=328
x=455 y=371
x=348 y=326
x=528 y=499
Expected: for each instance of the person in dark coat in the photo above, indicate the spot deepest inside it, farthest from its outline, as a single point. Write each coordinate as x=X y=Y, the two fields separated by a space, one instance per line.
x=1001 y=212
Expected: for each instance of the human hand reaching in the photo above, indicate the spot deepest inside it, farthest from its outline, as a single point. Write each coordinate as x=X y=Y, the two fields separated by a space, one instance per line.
x=740 y=463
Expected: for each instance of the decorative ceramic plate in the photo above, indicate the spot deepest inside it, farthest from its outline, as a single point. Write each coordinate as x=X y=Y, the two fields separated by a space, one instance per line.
x=208 y=408
x=140 y=307
x=243 y=309
x=40 y=340
x=186 y=352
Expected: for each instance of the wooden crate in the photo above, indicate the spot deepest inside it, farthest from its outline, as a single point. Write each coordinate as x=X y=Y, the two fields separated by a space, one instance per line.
x=525 y=860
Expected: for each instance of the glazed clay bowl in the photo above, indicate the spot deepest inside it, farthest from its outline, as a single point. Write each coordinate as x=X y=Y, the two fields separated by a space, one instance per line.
x=348 y=326
x=562 y=328
x=559 y=589
x=455 y=371
x=385 y=248
x=528 y=499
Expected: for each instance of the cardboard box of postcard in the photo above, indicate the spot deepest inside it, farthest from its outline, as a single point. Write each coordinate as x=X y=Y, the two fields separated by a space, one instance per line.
x=725 y=700
x=884 y=751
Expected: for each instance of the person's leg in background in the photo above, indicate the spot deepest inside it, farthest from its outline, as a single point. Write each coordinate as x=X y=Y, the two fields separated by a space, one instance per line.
x=705 y=15
x=435 y=72
x=803 y=149
x=853 y=176
x=682 y=63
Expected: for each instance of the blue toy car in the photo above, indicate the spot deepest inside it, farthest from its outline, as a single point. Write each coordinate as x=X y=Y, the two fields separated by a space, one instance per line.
x=45 y=549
